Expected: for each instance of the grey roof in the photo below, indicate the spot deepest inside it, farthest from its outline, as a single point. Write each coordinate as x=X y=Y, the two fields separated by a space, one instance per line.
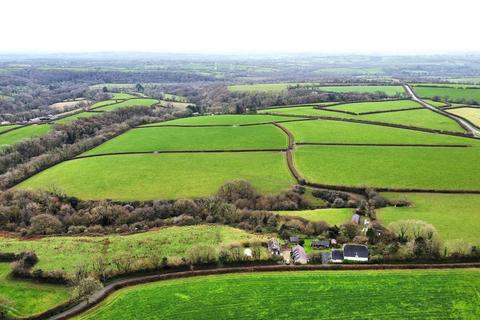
x=356 y=218
x=273 y=245
x=293 y=239
x=355 y=251
x=299 y=252
x=320 y=243
x=337 y=254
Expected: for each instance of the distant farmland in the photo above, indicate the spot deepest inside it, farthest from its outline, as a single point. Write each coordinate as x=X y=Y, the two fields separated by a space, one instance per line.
x=409 y=294
x=471 y=114
x=26 y=132
x=451 y=93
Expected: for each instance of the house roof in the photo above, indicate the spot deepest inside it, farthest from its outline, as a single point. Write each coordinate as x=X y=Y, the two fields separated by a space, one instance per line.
x=293 y=239
x=337 y=254
x=299 y=252
x=320 y=243
x=355 y=251
x=273 y=245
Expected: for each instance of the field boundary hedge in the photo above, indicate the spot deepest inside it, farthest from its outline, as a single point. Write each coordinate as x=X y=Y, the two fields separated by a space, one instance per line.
x=318 y=104
x=71 y=309
x=16 y=128
x=384 y=145
x=218 y=125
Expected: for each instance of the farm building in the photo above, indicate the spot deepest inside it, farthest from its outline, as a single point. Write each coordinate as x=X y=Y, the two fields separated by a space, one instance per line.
x=356 y=218
x=293 y=240
x=320 y=244
x=274 y=247
x=299 y=255
x=337 y=256
x=355 y=252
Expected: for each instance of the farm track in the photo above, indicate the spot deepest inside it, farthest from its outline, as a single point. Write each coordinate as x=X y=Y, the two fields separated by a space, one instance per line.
x=60 y=313
x=467 y=125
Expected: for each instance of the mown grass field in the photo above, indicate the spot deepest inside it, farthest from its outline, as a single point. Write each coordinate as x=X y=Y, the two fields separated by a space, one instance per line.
x=417 y=118
x=76 y=116
x=471 y=114
x=438 y=104
x=167 y=176
x=393 y=167
x=330 y=216
x=27 y=297
x=27 y=132
x=408 y=294
x=122 y=96
x=278 y=87
x=359 y=107
x=103 y=103
x=228 y=119
x=203 y=138
x=449 y=94
x=7 y=127
x=68 y=253
x=455 y=216
x=322 y=131
x=128 y=104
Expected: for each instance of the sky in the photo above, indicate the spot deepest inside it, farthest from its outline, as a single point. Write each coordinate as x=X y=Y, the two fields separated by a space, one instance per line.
x=241 y=27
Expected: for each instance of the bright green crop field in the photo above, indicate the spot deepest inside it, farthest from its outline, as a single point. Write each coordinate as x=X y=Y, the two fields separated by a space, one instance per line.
x=399 y=294
x=449 y=94
x=129 y=103
x=395 y=167
x=76 y=116
x=69 y=252
x=471 y=114
x=195 y=138
x=228 y=119
x=455 y=216
x=7 y=127
x=27 y=132
x=103 y=103
x=360 y=107
x=437 y=104
x=299 y=110
x=163 y=176
x=325 y=131
x=330 y=216
x=27 y=297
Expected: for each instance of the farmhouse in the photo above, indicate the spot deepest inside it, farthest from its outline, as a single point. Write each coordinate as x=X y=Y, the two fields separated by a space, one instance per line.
x=355 y=252
x=299 y=255
x=337 y=256
x=320 y=244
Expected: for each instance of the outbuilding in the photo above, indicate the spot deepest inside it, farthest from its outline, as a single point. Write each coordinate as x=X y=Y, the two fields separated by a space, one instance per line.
x=320 y=244
x=274 y=247
x=337 y=256
x=355 y=252
x=299 y=255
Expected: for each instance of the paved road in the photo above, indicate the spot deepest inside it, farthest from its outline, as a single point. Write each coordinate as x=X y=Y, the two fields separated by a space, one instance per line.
x=464 y=123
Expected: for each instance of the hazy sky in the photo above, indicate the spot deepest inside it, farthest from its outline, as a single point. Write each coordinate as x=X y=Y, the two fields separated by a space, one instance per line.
x=248 y=26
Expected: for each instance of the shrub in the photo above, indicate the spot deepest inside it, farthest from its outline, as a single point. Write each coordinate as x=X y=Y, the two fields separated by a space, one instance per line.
x=45 y=224
x=235 y=190
x=85 y=287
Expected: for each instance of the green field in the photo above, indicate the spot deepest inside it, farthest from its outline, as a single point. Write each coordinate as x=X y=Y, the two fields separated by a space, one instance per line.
x=27 y=132
x=67 y=253
x=330 y=216
x=417 y=118
x=449 y=94
x=279 y=87
x=103 y=103
x=228 y=119
x=455 y=216
x=8 y=127
x=407 y=294
x=129 y=103
x=194 y=138
x=27 y=297
x=471 y=114
x=360 y=107
x=163 y=176
x=438 y=104
x=76 y=116
x=325 y=131
x=122 y=96
x=394 y=167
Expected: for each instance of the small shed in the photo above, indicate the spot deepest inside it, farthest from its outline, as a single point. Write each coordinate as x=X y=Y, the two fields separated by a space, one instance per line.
x=274 y=247
x=320 y=244
x=337 y=256
x=299 y=255
x=356 y=218
x=294 y=240
x=355 y=252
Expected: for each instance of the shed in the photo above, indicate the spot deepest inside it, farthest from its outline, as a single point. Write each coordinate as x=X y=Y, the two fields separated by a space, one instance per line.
x=299 y=255
x=320 y=244
x=293 y=239
x=274 y=247
x=337 y=256
x=355 y=252
x=356 y=218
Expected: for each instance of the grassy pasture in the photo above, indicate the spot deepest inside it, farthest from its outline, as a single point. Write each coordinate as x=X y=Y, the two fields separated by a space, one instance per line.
x=395 y=167
x=76 y=116
x=417 y=118
x=122 y=96
x=438 y=104
x=455 y=216
x=8 y=127
x=167 y=176
x=359 y=107
x=325 y=131
x=260 y=87
x=331 y=216
x=228 y=119
x=68 y=253
x=27 y=132
x=102 y=103
x=27 y=297
x=471 y=114
x=129 y=103
x=195 y=138
x=449 y=94
x=399 y=294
